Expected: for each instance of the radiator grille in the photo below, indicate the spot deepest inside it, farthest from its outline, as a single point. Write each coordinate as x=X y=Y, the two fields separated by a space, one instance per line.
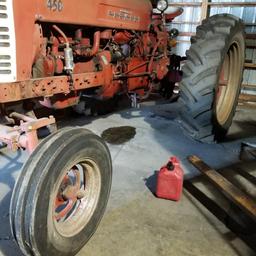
x=7 y=43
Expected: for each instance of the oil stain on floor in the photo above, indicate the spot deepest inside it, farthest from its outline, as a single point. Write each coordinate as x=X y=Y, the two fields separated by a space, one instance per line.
x=119 y=135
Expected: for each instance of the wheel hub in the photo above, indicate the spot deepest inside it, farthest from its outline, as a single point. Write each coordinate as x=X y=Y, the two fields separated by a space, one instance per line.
x=76 y=197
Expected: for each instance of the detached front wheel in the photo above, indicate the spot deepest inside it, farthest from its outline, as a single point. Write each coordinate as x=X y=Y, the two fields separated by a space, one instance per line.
x=61 y=194
x=212 y=77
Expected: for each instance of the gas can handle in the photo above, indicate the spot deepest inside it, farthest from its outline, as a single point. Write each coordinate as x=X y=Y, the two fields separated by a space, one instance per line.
x=174 y=160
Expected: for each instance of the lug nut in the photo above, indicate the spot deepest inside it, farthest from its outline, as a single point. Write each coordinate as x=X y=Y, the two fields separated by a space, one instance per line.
x=81 y=194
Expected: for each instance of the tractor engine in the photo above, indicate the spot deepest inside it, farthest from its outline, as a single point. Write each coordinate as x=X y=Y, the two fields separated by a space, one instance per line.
x=132 y=60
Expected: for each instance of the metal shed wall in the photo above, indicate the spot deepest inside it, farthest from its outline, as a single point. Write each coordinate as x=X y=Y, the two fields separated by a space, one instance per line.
x=191 y=18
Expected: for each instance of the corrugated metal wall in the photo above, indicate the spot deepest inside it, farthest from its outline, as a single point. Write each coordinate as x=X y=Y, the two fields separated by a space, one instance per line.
x=192 y=17
x=190 y=14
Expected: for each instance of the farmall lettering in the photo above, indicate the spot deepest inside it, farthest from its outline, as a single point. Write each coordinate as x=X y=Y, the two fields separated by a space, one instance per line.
x=124 y=15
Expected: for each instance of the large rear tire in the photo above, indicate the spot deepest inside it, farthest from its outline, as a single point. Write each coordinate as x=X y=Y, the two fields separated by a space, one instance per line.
x=61 y=194
x=212 y=77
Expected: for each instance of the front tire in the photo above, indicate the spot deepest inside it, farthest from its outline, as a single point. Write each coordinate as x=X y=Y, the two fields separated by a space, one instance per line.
x=61 y=194
x=212 y=77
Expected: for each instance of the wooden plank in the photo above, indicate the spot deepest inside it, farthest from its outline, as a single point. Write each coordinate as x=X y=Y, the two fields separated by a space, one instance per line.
x=214 y=4
x=182 y=22
x=250 y=65
x=183 y=41
x=246 y=174
x=187 y=34
x=251 y=46
x=252 y=86
x=188 y=4
x=250 y=36
x=232 y=4
x=222 y=215
x=247 y=105
x=186 y=22
x=251 y=24
x=238 y=197
x=247 y=97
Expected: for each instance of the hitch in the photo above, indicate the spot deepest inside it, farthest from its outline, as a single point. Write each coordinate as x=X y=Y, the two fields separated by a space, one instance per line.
x=24 y=136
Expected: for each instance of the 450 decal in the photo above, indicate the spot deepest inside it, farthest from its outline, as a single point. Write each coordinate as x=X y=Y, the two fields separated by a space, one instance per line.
x=55 y=5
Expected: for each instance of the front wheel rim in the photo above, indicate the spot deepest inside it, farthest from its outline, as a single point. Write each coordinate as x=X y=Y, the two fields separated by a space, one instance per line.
x=75 y=197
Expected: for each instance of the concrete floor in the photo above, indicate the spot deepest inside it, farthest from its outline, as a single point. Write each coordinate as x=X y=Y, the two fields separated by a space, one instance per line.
x=136 y=223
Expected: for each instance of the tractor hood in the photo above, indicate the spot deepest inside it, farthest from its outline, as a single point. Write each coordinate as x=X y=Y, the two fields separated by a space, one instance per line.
x=123 y=14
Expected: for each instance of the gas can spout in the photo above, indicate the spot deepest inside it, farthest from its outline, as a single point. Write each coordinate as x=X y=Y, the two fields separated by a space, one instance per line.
x=170 y=166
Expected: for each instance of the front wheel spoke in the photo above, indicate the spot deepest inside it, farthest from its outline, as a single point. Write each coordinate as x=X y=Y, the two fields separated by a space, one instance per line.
x=59 y=201
x=77 y=184
x=63 y=213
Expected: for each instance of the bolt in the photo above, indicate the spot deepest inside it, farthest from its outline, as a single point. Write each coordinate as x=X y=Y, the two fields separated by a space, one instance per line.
x=80 y=194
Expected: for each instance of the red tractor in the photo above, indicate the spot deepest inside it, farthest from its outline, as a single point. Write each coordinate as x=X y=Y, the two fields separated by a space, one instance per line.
x=58 y=53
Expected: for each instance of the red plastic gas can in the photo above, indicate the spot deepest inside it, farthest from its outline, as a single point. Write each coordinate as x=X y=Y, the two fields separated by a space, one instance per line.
x=170 y=180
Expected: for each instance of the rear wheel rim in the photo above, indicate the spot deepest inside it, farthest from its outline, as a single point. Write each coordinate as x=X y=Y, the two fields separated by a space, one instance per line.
x=229 y=83
x=75 y=197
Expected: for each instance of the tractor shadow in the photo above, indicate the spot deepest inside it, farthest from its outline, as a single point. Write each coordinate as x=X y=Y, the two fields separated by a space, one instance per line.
x=10 y=166
x=243 y=129
x=243 y=126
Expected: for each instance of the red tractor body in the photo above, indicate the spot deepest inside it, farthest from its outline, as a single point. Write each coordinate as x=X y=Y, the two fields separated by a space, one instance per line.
x=53 y=50
x=83 y=13
x=56 y=51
